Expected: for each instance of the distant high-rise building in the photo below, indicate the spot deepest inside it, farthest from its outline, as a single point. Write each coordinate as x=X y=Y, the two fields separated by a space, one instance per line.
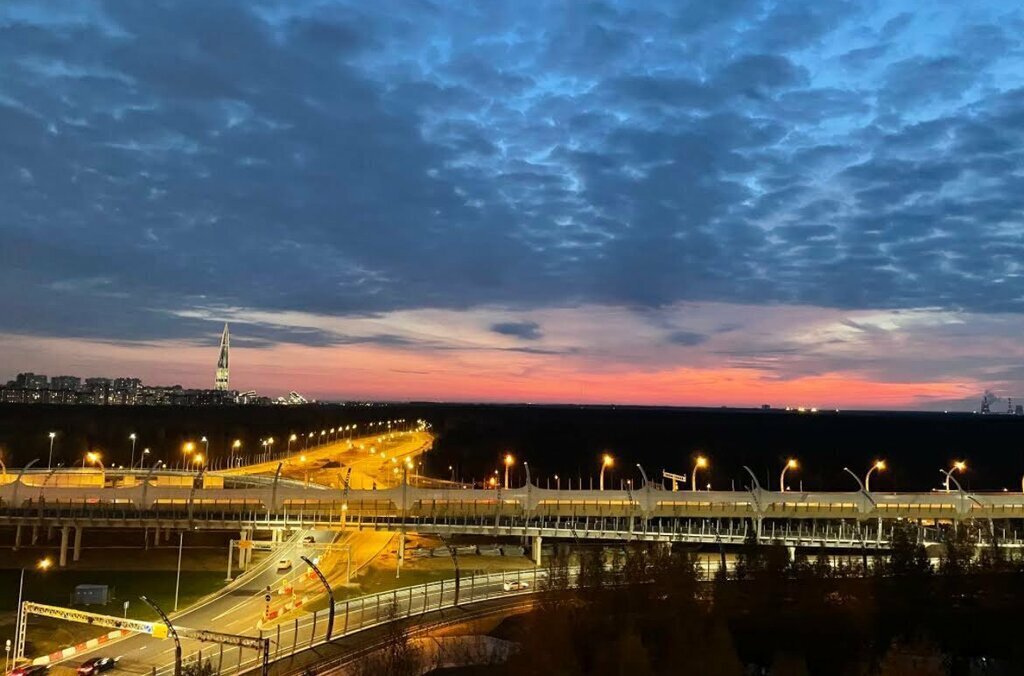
x=65 y=383
x=221 y=382
x=30 y=381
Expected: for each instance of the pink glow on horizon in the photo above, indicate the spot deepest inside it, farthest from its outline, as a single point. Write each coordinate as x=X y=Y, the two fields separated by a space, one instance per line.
x=483 y=371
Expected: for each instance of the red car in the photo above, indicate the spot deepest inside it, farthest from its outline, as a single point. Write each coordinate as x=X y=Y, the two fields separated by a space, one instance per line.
x=31 y=670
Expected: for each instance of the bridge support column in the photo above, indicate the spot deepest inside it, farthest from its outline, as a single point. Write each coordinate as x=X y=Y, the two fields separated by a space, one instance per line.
x=156 y=535
x=77 y=552
x=537 y=540
x=17 y=537
x=35 y=534
x=243 y=554
x=792 y=552
x=64 y=531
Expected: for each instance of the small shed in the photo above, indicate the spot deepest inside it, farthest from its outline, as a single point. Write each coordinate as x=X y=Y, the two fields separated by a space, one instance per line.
x=91 y=595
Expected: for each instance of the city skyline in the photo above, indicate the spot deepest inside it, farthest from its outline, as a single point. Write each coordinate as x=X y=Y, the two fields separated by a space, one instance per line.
x=682 y=204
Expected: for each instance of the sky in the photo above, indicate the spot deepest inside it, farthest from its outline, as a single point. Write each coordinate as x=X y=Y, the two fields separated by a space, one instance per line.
x=695 y=203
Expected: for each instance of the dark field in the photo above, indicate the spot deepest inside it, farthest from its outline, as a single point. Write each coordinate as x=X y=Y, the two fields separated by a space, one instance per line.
x=569 y=440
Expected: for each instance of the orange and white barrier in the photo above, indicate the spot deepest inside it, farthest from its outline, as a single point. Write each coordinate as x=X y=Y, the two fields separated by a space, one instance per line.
x=64 y=654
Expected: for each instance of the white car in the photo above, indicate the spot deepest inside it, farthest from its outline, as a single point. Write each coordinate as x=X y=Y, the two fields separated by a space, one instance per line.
x=515 y=585
x=283 y=565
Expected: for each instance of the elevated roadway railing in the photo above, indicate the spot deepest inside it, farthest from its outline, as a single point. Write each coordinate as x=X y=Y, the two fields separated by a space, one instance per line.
x=832 y=518
x=299 y=633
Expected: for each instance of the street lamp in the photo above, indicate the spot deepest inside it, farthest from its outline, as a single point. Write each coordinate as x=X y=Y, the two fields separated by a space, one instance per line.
x=292 y=438
x=44 y=565
x=509 y=461
x=790 y=464
x=958 y=466
x=558 y=483
x=94 y=458
x=880 y=466
x=142 y=458
x=132 y=437
x=330 y=595
x=206 y=446
x=606 y=461
x=49 y=461
x=700 y=463
x=187 y=451
x=170 y=628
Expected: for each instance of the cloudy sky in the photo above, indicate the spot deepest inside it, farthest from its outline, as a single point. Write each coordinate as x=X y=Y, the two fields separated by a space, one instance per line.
x=729 y=202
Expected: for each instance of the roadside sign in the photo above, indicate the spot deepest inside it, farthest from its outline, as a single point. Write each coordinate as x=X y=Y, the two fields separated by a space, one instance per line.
x=245 y=544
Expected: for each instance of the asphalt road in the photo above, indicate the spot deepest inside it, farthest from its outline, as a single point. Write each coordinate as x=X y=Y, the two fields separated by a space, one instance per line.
x=240 y=606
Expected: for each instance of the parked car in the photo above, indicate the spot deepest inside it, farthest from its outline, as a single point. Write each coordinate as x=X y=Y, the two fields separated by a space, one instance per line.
x=515 y=585
x=309 y=540
x=97 y=665
x=283 y=565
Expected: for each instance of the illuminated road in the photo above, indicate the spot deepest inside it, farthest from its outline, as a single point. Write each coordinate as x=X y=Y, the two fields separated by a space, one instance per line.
x=240 y=607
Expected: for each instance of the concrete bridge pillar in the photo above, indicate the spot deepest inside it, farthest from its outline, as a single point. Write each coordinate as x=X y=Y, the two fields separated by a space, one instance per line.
x=64 y=531
x=49 y=533
x=792 y=552
x=536 y=544
x=78 y=544
x=244 y=555
x=156 y=534
x=35 y=534
x=17 y=537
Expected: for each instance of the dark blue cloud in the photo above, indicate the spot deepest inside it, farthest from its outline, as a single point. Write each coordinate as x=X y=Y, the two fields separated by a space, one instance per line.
x=349 y=158
x=523 y=330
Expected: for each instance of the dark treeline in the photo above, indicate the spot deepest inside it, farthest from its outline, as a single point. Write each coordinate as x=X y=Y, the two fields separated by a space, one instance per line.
x=569 y=440
x=780 y=616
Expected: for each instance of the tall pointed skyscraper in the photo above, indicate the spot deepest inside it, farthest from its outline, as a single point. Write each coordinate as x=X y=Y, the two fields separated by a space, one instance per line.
x=222 y=361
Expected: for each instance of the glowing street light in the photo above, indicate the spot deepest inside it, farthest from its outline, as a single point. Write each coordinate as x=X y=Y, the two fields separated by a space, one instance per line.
x=509 y=461
x=879 y=466
x=700 y=463
x=43 y=565
x=958 y=466
x=790 y=464
x=94 y=458
x=292 y=438
x=49 y=461
x=606 y=461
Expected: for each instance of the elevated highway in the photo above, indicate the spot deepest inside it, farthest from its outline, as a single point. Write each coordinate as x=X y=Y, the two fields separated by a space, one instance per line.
x=834 y=519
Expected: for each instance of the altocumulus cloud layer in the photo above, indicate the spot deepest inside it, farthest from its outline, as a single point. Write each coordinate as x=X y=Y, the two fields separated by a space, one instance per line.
x=167 y=165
